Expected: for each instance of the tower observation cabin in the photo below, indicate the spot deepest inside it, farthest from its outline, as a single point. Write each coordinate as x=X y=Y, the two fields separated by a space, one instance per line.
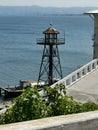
x=50 y=68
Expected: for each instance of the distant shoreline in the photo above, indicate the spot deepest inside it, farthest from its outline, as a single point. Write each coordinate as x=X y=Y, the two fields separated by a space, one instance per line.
x=40 y=11
x=43 y=15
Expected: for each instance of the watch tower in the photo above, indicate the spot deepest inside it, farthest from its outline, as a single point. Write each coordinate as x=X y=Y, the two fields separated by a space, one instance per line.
x=50 y=68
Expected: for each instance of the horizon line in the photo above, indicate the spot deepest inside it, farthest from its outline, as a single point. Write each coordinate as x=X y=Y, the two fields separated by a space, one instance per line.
x=48 y=6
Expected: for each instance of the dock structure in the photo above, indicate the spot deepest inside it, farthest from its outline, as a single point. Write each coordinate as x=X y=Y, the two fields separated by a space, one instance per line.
x=9 y=92
x=14 y=91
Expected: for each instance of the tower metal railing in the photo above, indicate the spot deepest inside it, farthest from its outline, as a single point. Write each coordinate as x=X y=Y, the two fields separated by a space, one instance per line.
x=58 y=41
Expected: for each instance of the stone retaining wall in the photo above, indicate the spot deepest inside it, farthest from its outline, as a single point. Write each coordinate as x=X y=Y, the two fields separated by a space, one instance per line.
x=81 y=121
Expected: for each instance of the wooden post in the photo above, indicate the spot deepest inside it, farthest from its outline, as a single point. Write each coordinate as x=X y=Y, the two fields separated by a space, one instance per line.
x=0 y=91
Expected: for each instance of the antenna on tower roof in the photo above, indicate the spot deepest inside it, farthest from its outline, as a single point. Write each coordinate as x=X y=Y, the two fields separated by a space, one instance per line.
x=51 y=24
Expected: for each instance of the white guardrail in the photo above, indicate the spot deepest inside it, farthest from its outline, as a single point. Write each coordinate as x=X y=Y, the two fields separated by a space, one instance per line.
x=78 y=74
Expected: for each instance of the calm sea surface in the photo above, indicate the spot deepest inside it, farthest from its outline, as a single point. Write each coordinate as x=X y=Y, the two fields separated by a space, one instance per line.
x=20 y=56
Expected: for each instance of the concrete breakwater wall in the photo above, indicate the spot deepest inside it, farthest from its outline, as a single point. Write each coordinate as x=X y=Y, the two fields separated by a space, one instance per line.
x=78 y=74
x=81 y=121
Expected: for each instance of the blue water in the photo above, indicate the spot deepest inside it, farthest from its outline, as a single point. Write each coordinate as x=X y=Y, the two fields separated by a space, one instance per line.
x=20 y=56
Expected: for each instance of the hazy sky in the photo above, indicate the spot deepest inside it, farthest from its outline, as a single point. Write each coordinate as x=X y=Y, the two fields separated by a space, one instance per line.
x=53 y=3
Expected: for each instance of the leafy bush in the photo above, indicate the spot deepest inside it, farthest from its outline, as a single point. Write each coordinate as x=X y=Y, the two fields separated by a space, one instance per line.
x=28 y=106
x=31 y=105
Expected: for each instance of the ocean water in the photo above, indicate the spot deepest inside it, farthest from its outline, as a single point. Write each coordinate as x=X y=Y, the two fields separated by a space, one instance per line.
x=20 y=56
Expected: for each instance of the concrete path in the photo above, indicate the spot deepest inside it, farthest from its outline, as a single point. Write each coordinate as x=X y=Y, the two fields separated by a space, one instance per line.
x=86 y=89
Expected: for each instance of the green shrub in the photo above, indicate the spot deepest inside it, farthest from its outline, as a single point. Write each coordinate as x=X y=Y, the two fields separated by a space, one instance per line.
x=31 y=105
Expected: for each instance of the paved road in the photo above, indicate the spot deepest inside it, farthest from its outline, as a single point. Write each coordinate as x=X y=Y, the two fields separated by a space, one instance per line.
x=86 y=89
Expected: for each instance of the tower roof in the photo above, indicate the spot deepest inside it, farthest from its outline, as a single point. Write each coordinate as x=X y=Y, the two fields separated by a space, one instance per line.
x=51 y=30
